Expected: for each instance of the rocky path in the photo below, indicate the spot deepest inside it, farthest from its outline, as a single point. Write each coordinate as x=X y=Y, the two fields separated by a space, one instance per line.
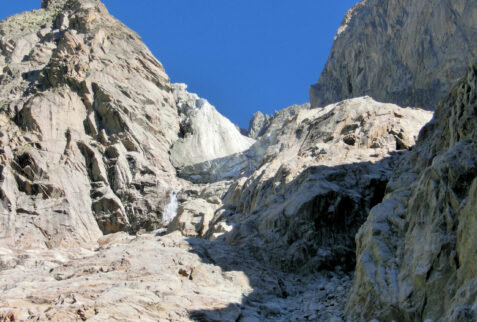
x=165 y=278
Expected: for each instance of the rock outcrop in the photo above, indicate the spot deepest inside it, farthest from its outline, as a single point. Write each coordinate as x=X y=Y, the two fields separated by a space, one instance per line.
x=321 y=172
x=261 y=123
x=405 y=52
x=160 y=278
x=258 y=125
x=87 y=120
x=416 y=252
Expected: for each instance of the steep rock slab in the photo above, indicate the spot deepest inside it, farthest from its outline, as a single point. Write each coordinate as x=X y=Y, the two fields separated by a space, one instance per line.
x=88 y=118
x=416 y=252
x=405 y=52
x=321 y=172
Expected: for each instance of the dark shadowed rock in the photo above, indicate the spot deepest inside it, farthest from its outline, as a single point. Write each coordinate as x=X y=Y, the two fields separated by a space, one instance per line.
x=416 y=251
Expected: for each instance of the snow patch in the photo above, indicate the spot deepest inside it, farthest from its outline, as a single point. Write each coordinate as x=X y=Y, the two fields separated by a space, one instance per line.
x=170 y=211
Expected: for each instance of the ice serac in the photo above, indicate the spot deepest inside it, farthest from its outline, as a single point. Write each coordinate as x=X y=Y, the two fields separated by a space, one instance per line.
x=209 y=144
x=87 y=119
x=416 y=253
x=407 y=52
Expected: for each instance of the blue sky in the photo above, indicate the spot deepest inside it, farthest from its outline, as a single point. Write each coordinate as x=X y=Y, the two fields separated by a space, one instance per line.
x=242 y=56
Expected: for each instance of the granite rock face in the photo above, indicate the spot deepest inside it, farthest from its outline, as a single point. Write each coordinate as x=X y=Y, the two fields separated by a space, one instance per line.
x=405 y=52
x=416 y=252
x=87 y=120
x=321 y=171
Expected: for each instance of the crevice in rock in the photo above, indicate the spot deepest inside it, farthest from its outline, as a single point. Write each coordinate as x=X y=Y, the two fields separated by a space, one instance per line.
x=463 y=182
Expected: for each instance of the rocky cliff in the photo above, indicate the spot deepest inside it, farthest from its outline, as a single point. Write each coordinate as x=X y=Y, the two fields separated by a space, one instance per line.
x=123 y=196
x=405 y=52
x=322 y=171
x=416 y=252
x=83 y=101
x=88 y=118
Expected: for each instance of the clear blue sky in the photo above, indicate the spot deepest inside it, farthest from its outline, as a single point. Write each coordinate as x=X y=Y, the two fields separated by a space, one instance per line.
x=241 y=55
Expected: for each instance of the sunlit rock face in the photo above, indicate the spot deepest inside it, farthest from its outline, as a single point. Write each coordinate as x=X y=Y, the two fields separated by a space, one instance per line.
x=87 y=121
x=405 y=52
x=263 y=123
x=321 y=172
x=416 y=251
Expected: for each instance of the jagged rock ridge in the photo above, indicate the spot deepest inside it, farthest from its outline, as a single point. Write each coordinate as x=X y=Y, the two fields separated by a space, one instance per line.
x=405 y=52
x=261 y=123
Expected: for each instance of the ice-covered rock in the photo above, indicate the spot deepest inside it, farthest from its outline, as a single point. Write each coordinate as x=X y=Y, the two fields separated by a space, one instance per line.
x=208 y=140
x=170 y=210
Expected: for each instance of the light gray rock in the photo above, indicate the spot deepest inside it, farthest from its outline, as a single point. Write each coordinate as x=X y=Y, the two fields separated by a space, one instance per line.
x=88 y=118
x=258 y=125
x=193 y=218
x=261 y=123
x=93 y=138
x=405 y=52
x=416 y=251
x=318 y=172
x=151 y=277
x=197 y=207
x=321 y=172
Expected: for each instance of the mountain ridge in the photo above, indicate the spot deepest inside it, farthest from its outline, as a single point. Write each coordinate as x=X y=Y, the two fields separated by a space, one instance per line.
x=96 y=144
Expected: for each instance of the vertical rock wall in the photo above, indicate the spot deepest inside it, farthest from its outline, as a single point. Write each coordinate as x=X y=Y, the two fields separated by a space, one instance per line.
x=416 y=254
x=88 y=118
x=407 y=52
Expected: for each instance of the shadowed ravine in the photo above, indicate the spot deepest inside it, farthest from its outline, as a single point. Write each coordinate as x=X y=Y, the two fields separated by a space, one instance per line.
x=306 y=273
